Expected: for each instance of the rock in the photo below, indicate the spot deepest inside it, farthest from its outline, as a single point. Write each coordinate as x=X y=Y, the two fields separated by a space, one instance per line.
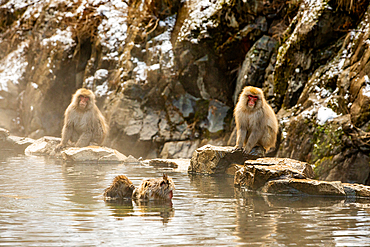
x=356 y=190
x=304 y=186
x=180 y=165
x=257 y=172
x=181 y=149
x=43 y=146
x=132 y=160
x=185 y=103
x=215 y=160
x=217 y=112
x=256 y=61
x=14 y=143
x=93 y=154
x=150 y=126
x=19 y=143
x=4 y=133
x=288 y=176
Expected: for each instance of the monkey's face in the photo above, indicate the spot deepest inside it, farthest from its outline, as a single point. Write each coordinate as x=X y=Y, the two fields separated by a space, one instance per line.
x=252 y=100
x=83 y=101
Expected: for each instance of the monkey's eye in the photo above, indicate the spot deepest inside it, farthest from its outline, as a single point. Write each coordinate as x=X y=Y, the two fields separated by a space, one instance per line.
x=84 y=98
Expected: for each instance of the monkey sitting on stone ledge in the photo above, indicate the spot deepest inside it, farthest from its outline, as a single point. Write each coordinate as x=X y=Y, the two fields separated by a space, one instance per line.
x=256 y=122
x=83 y=121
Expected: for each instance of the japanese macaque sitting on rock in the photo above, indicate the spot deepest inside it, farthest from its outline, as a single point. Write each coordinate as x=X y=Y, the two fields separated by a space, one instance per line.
x=149 y=189
x=83 y=121
x=256 y=122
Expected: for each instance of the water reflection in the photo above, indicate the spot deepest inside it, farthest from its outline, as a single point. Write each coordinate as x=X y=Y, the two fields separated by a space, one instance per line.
x=46 y=202
x=124 y=208
x=300 y=221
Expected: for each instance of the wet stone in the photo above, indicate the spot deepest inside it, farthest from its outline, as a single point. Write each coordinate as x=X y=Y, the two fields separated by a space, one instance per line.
x=93 y=154
x=215 y=160
x=43 y=146
x=304 y=186
x=256 y=173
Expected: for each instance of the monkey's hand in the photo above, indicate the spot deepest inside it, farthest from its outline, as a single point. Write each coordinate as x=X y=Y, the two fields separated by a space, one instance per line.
x=237 y=148
x=59 y=148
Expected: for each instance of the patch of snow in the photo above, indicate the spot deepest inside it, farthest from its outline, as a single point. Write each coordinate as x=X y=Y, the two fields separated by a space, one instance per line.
x=366 y=90
x=199 y=18
x=13 y=66
x=113 y=29
x=60 y=37
x=324 y=114
x=139 y=70
x=102 y=89
x=154 y=67
x=307 y=113
x=101 y=74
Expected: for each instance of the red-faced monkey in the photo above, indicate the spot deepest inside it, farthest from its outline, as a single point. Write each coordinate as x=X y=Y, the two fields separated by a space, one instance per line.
x=83 y=121
x=256 y=122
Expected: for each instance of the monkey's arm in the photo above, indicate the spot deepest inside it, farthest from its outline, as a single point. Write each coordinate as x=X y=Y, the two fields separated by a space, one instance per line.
x=241 y=134
x=254 y=137
x=66 y=135
x=85 y=138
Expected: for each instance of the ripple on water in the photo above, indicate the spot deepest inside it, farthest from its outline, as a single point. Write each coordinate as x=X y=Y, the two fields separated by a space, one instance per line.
x=45 y=202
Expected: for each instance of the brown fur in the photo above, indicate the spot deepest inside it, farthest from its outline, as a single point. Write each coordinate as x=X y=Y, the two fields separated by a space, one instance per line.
x=122 y=188
x=83 y=124
x=155 y=189
x=255 y=125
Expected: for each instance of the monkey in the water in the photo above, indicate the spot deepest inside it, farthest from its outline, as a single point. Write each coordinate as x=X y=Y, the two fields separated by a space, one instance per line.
x=83 y=121
x=155 y=189
x=122 y=188
x=256 y=122
x=149 y=189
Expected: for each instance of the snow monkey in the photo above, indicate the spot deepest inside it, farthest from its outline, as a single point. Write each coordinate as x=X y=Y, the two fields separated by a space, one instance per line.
x=256 y=122
x=122 y=188
x=83 y=121
x=155 y=189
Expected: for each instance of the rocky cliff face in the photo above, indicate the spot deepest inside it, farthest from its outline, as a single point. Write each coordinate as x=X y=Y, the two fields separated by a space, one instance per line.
x=167 y=73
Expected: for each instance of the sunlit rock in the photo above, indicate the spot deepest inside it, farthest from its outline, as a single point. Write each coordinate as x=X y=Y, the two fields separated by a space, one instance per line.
x=19 y=143
x=93 y=154
x=356 y=190
x=304 y=186
x=256 y=173
x=14 y=143
x=215 y=160
x=43 y=146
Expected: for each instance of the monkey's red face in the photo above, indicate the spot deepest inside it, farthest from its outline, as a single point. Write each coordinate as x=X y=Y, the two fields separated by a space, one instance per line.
x=252 y=99
x=84 y=100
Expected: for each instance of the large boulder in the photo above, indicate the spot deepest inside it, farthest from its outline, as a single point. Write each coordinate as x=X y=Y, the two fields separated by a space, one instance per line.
x=93 y=154
x=215 y=160
x=304 y=186
x=256 y=173
x=291 y=177
x=43 y=146
x=14 y=143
